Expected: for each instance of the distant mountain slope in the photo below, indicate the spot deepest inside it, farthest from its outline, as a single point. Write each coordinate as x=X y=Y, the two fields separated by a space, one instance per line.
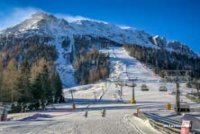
x=70 y=39
x=46 y=24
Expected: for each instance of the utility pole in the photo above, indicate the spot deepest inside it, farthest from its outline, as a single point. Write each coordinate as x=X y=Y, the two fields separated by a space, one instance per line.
x=121 y=90
x=133 y=93
x=176 y=76
x=197 y=86
x=133 y=100
x=133 y=85
x=95 y=97
x=177 y=98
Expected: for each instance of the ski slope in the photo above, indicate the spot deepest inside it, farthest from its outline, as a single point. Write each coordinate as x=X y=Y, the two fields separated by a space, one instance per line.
x=124 y=67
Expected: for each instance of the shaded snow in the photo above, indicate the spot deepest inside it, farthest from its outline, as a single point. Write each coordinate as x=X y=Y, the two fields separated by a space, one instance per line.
x=64 y=67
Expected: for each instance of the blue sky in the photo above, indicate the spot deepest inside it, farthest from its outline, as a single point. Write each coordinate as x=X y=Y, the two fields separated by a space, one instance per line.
x=173 y=19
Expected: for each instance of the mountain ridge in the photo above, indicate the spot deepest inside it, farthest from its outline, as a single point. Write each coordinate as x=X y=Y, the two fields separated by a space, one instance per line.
x=48 y=24
x=71 y=41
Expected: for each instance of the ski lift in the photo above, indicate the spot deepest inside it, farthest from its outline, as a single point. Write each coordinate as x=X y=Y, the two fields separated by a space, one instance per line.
x=144 y=87
x=163 y=88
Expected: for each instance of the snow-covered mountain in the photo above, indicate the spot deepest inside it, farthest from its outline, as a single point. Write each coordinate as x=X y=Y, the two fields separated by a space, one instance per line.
x=59 y=30
x=46 y=24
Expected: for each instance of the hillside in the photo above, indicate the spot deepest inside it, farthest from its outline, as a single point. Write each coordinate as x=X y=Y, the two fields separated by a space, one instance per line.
x=65 y=41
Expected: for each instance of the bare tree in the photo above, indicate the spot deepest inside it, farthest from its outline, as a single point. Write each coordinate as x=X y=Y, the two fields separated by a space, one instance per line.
x=10 y=81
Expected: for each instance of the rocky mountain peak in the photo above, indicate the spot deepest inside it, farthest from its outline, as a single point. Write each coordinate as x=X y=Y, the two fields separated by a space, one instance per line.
x=49 y=25
x=42 y=15
x=39 y=22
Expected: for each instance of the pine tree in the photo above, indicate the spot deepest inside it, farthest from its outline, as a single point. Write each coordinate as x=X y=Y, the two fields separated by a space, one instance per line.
x=24 y=82
x=41 y=86
x=45 y=82
x=36 y=90
x=56 y=86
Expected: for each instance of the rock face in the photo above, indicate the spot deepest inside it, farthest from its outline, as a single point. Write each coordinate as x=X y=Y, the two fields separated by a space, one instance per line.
x=159 y=41
x=174 y=46
x=44 y=24
x=69 y=39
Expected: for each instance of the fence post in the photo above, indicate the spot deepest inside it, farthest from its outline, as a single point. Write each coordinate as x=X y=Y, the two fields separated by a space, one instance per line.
x=104 y=112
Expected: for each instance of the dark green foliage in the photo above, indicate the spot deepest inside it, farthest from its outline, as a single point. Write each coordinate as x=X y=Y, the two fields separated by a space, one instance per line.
x=56 y=85
x=30 y=80
x=45 y=82
x=31 y=48
x=91 y=66
x=47 y=87
x=38 y=92
x=41 y=86
x=24 y=84
x=65 y=43
x=36 y=88
x=189 y=85
x=161 y=59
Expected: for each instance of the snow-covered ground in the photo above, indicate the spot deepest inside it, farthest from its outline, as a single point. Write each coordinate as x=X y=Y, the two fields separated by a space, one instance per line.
x=93 y=98
x=125 y=66
x=75 y=123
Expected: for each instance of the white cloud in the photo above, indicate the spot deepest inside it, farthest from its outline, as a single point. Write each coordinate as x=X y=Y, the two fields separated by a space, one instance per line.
x=15 y=16
x=78 y=18
x=70 y=18
x=124 y=27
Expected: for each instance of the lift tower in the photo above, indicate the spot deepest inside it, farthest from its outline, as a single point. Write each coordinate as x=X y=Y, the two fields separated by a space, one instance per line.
x=177 y=76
